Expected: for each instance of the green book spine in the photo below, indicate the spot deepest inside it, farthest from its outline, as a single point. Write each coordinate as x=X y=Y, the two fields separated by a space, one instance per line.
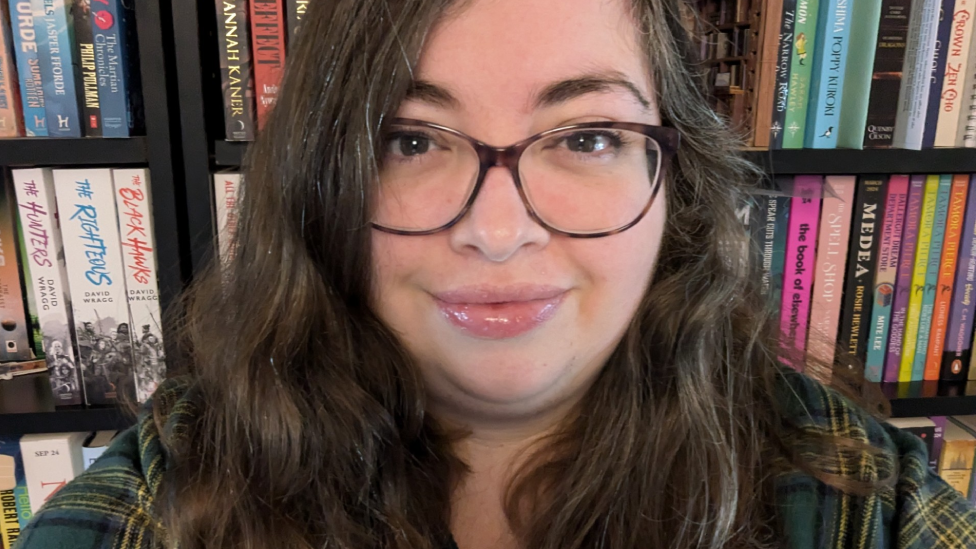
x=801 y=63
x=857 y=77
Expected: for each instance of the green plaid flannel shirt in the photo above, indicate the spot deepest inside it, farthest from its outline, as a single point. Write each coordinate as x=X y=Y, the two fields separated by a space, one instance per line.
x=110 y=506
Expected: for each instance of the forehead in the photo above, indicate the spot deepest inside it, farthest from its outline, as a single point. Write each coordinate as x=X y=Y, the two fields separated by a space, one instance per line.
x=500 y=53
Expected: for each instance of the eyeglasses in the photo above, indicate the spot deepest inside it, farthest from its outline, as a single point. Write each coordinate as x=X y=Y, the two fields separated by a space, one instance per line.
x=585 y=180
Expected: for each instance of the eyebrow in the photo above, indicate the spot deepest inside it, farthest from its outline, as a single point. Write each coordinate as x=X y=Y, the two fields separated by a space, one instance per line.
x=552 y=95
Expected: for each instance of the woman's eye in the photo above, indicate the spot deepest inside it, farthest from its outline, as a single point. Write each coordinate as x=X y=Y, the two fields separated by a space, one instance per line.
x=409 y=144
x=590 y=142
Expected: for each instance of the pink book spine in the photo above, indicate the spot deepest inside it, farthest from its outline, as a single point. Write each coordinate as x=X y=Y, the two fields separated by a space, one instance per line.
x=801 y=252
x=828 y=281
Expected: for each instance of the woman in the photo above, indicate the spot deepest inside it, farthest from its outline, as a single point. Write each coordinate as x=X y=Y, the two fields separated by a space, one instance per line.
x=423 y=340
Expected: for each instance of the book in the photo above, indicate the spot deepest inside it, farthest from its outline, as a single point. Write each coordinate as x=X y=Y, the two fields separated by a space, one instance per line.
x=226 y=193
x=937 y=440
x=55 y=35
x=781 y=97
x=233 y=39
x=931 y=277
x=761 y=232
x=134 y=201
x=296 y=11
x=947 y=275
x=51 y=460
x=34 y=325
x=801 y=252
x=93 y=257
x=116 y=53
x=919 y=271
x=889 y=60
x=14 y=327
x=268 y=43
x=922 y=427
x=958 y=452
x=91 y=119
x=959 y=336
x=827 y=78
x=95 y=445
x=14 y=500
x=11 y=116
x=903 y=280
x=39 y=216
x=966 y=133
x=913 y=95
x=889 y=252
x=28 y=68
x=868 y=215
x=765 y=71
x=952 y=101
x=858 y=75
x=828 y=281
x=801 y=62
x=938 y=73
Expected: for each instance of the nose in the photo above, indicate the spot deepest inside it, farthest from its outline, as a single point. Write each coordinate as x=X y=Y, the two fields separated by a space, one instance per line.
x=498 y=224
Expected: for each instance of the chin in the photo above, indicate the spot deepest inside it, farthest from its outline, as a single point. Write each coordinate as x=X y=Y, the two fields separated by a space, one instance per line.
x=508 y=380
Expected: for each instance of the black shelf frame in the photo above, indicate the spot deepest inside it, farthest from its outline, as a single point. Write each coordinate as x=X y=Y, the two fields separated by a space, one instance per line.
x=50 y=151
x=931 y=398
x=868 y=161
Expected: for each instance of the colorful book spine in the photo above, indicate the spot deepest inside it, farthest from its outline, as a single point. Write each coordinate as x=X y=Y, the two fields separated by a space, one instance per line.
x=268 y=43
x=235 y=69
x=903 y=285
x=958 y=452
x=918 y=278
x=931 y=277
x=28 y=67
x=34 y=331
x=777 y=274
x=889 y=59
x=827 y=80
x=95 y=445
x=938 y=73
x=11 y=115
x=91 y=120
x=112 y=25
x=857 y=78
x=798 y=100
x=947 y=275
x=784 y=50
x=93 y=257
x=801 y=252
x=54 y=49
x=828 y=281
x=913 y=96
x=226 y=193
x=862 y=251
x=296 y=11
x=51 y=460
x=14 y=333
x=959 y=337
x=39 y=217
x=884 y=280
x=134 y=201
x=957 y=49
x=14 y=500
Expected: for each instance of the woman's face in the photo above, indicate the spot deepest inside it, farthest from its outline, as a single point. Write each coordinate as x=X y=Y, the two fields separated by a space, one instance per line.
x=505 y=319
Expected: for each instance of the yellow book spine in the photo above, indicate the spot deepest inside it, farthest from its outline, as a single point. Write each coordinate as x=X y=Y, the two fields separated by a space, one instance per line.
x=9 y=525
x=918 y=278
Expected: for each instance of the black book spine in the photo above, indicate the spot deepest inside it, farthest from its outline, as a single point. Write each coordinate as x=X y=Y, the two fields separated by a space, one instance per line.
x=889 y=56
x=780 y=100
x=237 y=82
x=861 y=262
x=296 y=11
x=91 y=117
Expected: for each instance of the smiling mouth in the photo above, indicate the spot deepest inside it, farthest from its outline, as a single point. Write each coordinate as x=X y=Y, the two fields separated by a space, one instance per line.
x=499 y=319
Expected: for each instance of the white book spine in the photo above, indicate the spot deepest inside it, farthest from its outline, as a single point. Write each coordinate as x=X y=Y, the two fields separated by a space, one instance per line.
x=966 y=136
x=50 y=462
x=38 y=212
x=93 y=255
x=954 y=98
x=226 y=194
x=913 y=96
x=134 y=201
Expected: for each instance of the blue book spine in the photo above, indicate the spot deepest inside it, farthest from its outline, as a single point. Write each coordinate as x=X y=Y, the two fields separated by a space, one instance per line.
x=10 y=447
x=938 y=72
x=931 y=277
x=827 y=81
x=109 y=22
x=28 y=67
x=56 y=52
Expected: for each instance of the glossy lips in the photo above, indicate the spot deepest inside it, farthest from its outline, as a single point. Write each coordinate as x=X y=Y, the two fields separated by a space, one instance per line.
x=499 y=313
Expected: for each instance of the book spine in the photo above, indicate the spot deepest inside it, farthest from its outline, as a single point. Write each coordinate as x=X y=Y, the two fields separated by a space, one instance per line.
x=828 y=282
x=966 y=133
x=757 y=233
x=50 y=462
x=134 y=201
x=85 y=50
x=779 y=251
x=959 y=337
x=913 y=95
x=15 y=501
x=827 y=82
x=11 y=115
x=798 y=100
x=937 y=78
x=937 y=441
x=39 y=217
x=28 y=67
x=903 y=286
x=931 y=277
x=226 y=193
x=55 y=36
x=765 y=71
x=884 y=280
x=857 y=77
x=781 y=100
x=801 y=251
x=951 y=103
x=235 y=69
x=947 y=272
x=93 y=256
x=268 y=38
x=918 y=278
x=889 y=58
x=15 y=340
x=108 y=32
x=296 y=11
x=865 y=238
x=34 y=325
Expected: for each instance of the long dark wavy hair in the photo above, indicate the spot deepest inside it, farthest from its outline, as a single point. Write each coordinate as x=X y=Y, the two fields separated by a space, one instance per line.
x=312 y=429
